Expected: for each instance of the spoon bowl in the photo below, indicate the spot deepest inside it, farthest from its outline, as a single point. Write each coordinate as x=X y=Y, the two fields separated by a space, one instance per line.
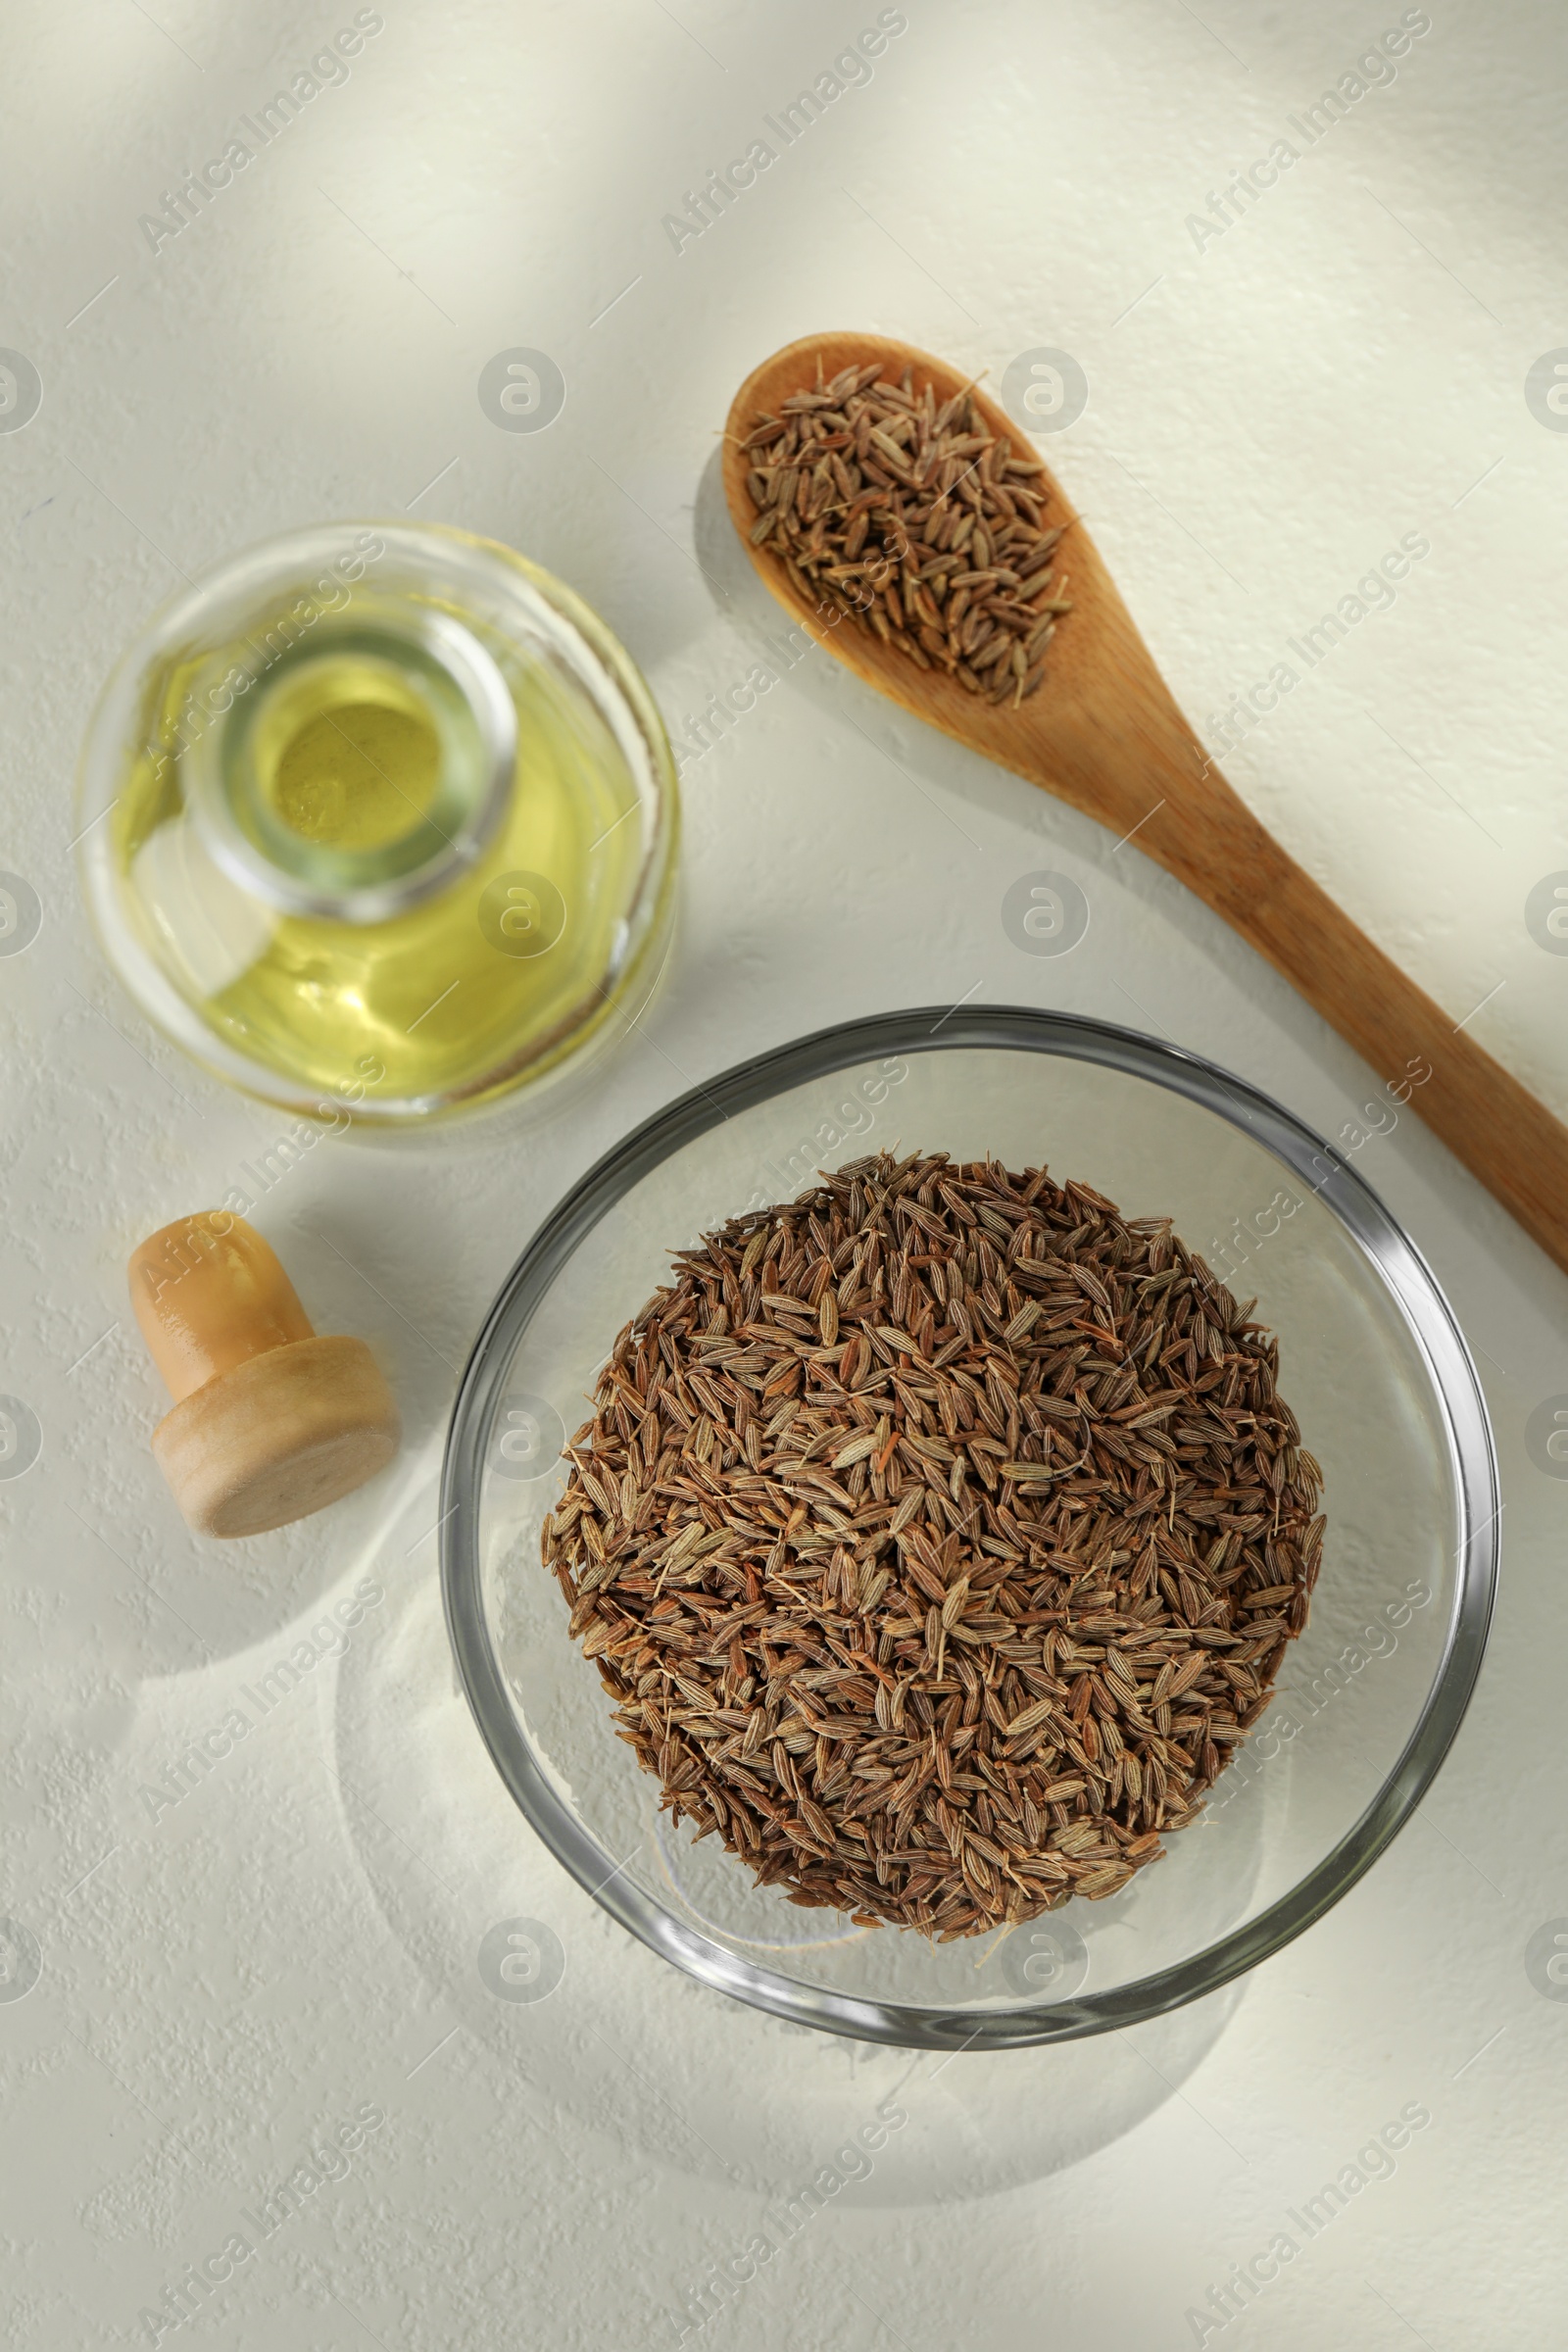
x=1083 y=727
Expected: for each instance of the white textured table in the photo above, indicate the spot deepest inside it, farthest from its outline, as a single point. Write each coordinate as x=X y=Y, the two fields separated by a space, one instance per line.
x=279 y=1954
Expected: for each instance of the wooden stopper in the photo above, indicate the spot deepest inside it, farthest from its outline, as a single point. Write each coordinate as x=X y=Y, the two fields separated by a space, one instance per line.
x=270 y=1422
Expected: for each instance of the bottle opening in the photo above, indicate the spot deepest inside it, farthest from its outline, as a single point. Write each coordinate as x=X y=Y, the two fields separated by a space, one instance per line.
x=353 y=775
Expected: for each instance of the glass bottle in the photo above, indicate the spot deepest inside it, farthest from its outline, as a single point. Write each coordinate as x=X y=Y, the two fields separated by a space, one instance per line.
x=381 y=818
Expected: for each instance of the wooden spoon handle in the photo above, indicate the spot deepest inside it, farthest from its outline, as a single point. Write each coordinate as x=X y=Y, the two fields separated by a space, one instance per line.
x=1207 y=836
x=1508 y=1139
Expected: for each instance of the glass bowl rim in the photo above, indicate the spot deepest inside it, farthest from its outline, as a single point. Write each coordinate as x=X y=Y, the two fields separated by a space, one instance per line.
x=1406 y=1275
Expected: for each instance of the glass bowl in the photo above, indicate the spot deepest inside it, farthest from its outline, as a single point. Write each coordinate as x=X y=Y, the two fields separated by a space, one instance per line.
x=1371 y=1361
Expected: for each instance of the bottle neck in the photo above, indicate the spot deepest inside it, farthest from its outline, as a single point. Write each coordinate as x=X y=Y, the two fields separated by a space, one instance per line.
x=359 y=765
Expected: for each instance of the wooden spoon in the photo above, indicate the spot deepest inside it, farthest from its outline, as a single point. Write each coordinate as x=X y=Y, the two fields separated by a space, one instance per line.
x=1103 y=733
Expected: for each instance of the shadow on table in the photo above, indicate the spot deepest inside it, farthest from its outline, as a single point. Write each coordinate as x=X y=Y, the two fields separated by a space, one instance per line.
x=534 y=1989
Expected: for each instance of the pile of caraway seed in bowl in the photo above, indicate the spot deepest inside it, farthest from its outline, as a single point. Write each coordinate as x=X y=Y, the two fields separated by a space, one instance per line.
x=937 y=1535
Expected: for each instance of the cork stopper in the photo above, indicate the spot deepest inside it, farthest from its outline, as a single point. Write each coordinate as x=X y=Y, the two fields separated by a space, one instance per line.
x=270 y=1422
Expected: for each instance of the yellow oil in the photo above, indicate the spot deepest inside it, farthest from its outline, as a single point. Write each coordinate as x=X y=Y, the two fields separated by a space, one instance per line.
x=350 y=773
x=512 y=960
